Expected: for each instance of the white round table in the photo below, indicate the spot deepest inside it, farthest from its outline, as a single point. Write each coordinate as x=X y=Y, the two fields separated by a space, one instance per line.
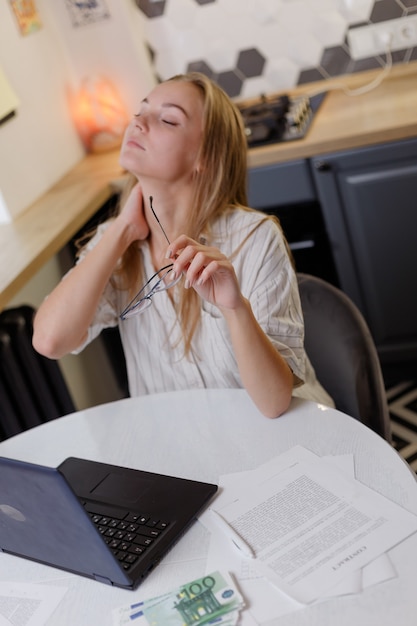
x=201 y=435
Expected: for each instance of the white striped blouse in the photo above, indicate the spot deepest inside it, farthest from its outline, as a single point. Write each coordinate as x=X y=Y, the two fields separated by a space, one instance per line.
x=152 y=341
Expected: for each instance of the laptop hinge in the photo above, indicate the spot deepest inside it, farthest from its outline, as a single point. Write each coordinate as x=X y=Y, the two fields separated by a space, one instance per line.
x=102 y=579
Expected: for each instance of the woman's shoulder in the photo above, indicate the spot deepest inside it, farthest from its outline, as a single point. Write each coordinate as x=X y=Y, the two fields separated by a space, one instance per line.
x=239 y=228
x=89 y=240
x=244 y=218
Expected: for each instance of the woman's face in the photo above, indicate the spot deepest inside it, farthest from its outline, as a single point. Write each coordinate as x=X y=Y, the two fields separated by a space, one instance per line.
x=163 y=139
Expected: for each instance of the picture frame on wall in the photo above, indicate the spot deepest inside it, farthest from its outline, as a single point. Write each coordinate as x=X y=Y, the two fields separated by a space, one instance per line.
x=87 y=12
x=8 y=99
x=26 y=15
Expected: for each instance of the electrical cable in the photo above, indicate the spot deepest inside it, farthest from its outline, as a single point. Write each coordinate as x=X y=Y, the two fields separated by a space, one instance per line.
x=367 y=87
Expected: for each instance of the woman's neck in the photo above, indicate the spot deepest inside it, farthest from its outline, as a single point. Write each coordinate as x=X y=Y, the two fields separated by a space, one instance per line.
x=166 y=221
x=170 y=215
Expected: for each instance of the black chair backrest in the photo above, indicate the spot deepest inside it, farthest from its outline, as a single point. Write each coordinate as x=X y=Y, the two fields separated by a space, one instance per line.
x=342 y=351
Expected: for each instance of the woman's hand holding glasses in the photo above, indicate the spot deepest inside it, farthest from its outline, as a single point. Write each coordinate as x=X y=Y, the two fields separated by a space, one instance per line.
x=206 y=270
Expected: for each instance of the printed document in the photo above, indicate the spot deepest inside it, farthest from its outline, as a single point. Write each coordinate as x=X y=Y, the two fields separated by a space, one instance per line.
x=311 y=525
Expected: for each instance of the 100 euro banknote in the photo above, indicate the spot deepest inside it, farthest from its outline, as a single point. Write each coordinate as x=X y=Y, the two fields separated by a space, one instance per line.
x=212 y=599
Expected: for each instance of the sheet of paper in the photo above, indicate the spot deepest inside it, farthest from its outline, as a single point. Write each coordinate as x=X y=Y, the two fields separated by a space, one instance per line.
x=344 y=462
x=374 y=573
x=310 y=528
x=28 y=604
x=256 y=588
x=237 y=485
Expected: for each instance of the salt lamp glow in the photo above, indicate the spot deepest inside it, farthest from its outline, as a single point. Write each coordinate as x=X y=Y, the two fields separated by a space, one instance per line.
x=99 y=115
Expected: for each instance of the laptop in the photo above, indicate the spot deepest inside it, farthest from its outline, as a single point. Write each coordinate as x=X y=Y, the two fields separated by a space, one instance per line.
x=105 y=522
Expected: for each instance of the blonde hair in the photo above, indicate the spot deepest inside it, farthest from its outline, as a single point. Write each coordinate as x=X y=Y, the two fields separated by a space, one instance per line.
x=220 y=187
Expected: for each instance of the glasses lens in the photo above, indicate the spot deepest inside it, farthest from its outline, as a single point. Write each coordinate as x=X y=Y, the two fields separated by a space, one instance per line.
x=134 y=309
x=164 y=279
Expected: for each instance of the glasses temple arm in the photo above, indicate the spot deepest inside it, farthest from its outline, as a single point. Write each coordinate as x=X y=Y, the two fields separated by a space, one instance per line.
x=156 y=217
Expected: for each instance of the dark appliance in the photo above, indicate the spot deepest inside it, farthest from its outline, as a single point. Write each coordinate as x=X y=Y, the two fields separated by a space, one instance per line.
x=279 y=118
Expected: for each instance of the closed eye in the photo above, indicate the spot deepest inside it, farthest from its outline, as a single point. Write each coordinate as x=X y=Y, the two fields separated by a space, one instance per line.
x=169 y=122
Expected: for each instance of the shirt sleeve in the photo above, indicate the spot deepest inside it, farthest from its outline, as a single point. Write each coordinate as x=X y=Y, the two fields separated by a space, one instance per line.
x=269 y=281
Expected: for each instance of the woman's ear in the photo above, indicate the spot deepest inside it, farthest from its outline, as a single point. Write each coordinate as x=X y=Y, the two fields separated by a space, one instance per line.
x=198 y=168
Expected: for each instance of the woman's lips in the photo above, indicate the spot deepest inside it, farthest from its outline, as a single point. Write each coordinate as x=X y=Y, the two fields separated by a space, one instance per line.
x=135 y=144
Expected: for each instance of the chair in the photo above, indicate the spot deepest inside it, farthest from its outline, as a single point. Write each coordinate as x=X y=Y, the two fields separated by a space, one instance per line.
x=341 y=349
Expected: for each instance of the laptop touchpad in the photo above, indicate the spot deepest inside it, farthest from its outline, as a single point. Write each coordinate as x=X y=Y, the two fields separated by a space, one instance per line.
x=116 y=487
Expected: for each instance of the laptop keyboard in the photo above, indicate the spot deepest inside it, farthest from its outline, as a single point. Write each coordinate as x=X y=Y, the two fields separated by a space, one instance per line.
x=128 y=535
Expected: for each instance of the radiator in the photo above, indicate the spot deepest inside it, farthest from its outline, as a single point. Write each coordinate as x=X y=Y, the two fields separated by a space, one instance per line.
x=32 y=387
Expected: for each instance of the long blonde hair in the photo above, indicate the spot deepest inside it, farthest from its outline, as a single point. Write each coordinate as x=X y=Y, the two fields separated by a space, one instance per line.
x=221 y=186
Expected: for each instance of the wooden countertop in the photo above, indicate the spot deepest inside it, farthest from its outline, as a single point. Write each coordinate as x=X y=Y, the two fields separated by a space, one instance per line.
x=388 y=113
x=38 y=233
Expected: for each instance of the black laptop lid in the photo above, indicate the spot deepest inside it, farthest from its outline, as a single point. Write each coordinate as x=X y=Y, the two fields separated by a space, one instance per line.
x=42 y=518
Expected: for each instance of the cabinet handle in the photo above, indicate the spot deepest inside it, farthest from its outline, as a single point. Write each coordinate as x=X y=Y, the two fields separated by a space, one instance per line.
x=322 y=166
x=302 y=245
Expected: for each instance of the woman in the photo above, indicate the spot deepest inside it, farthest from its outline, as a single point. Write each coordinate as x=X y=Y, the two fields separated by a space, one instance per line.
x=227 y=313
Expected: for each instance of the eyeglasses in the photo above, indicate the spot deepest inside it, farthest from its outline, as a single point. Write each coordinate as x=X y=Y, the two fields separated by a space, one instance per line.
x=162 y=279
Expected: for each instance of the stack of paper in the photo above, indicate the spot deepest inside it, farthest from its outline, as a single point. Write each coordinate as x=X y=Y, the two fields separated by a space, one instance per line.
x=314 y=530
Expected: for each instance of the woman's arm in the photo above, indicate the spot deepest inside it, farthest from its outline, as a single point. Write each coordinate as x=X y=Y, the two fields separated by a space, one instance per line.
x=264 y=372
x=61 y=322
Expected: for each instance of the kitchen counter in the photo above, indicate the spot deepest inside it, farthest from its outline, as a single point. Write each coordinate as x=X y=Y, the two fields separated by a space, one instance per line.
x=387 y=113
x=38 y=233
x=343 y=122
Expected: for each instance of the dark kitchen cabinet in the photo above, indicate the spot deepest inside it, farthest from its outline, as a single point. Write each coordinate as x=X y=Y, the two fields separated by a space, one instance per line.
x=287 y=190
x=369 y=202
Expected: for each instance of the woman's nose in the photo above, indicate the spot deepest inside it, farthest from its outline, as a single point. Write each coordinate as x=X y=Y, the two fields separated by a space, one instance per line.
x=141 y=122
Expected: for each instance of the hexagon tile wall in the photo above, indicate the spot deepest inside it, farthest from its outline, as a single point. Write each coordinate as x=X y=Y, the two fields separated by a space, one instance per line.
x=261 y=46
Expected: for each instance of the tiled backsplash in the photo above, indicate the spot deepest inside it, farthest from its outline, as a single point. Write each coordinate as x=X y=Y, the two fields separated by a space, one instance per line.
x=261 y=46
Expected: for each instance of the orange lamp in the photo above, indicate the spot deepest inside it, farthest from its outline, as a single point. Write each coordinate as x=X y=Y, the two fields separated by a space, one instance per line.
x=99 y=115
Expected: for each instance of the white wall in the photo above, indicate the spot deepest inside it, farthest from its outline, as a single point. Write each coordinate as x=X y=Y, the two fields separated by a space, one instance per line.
x=40 y=144
x=113 y=47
